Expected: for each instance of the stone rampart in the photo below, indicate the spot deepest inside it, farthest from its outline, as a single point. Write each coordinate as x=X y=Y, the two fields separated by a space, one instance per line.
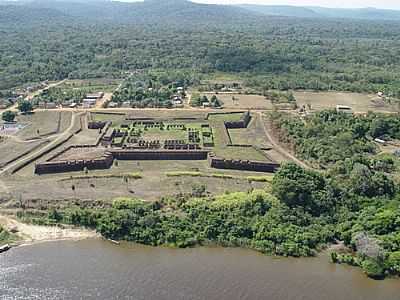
x=242 y=165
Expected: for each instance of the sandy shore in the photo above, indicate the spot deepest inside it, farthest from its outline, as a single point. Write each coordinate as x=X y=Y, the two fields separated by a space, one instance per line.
x=34 y=233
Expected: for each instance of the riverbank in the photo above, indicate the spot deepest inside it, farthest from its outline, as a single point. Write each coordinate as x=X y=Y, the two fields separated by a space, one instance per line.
x=29 y=234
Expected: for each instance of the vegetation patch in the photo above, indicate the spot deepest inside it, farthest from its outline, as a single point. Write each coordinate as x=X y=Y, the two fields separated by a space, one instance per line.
x=6 y=237
x=100 y=176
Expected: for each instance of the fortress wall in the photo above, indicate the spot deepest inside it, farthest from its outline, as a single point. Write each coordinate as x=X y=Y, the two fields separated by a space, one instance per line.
x=242 y=165
x=159 y=154
x=49 y=167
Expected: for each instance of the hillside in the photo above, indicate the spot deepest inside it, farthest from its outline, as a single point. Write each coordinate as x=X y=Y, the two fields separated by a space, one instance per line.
x=282 y=10
x=149 y=11
x=22 y=14
x=322 y=12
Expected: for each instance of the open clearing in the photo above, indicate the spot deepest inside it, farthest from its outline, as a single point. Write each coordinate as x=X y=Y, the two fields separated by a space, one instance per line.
x=359 y=102
x=242 y=101
x=43 y=124
x=11 y=150
x=92 y=85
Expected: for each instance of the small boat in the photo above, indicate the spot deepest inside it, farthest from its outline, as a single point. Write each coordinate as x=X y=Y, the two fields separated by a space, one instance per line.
x=5 y=248
x=113 y=241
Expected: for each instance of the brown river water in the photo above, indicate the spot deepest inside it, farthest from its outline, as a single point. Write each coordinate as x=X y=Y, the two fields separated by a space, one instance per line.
x=95 y=269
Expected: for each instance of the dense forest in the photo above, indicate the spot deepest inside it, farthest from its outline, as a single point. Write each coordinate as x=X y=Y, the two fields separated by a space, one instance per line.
x=327 y=137
x=266 y=52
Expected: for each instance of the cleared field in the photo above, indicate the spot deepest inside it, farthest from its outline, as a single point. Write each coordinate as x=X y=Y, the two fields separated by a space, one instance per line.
x=81 y=153
x=252 y=135
x=242 y=153
x=43 y=123
x=359 y=102
x=153 y=184
x=235 y=116
x=92 y=85
x=116 y=118
x=241 y=101
x=11 y=150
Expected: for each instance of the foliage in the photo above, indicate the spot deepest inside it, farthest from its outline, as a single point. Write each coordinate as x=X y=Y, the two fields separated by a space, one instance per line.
x=5 y=236
x=264 y=53
x=373 y=268
x=8 y=116
x=59 y=96
x=328 y=137
x=25 y=106
x=280 y=97
x=152 y=88
x=297 y=187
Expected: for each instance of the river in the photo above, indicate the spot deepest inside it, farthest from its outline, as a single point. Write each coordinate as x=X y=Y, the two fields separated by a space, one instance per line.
x=95 y=269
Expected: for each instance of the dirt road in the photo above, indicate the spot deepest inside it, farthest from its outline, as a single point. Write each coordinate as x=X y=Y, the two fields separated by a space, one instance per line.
x=280 y=149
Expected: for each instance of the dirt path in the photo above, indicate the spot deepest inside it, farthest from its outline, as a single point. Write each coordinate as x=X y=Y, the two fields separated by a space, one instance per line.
x=38 y=92
x=280 y=149
x=34 y=233
x=75 y=118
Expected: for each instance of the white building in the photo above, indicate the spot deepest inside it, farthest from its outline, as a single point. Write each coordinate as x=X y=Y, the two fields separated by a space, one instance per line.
x=344 y=109
x=89 y=102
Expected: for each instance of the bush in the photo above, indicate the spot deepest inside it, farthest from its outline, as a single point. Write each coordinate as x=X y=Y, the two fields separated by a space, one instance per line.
x=394 y=262
x=373 y=268
x=8 y=116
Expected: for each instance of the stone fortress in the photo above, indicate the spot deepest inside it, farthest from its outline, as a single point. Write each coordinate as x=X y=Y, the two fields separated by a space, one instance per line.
x=149 y=139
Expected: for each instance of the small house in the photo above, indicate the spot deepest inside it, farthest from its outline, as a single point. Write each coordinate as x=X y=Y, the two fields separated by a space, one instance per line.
x=380 y=141
x=51 y=105
x=113 y=105
x=126 y=104
x=89 y=102
x=95 y=96
x=344 y=109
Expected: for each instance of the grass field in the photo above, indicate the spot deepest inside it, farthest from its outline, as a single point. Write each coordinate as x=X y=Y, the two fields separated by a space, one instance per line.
x=242 y=153
x=234 y=116
x=152 y=134
x=359 y=102
x=252 y=135
x=116 y=119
